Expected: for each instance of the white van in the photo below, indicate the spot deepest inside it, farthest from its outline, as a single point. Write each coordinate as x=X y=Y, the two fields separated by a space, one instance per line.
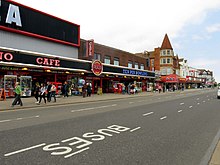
x=218 y=93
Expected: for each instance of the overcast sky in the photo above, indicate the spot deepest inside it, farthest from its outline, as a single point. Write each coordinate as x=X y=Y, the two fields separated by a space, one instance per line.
x=193 y=26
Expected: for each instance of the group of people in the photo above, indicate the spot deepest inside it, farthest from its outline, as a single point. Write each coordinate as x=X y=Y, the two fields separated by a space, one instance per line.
x=43 y=91
x=48 y=91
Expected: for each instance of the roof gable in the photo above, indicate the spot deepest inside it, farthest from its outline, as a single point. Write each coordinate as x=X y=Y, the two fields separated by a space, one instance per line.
x=166 y=43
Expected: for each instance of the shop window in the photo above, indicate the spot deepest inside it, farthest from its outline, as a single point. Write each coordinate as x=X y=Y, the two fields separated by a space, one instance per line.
x=97 y=56
x=107 y=60
x=136 y=65
x=142 y=67
x=116 y=61
x=129 y=64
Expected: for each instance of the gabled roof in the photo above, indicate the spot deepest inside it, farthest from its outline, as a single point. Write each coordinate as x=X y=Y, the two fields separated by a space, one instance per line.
x=166 y=43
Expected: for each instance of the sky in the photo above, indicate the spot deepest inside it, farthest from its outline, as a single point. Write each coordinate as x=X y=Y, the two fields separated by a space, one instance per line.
x=193 y=26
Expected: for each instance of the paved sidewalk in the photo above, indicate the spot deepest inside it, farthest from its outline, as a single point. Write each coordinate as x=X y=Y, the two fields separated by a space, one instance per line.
x=29 y=102
x=215 y=160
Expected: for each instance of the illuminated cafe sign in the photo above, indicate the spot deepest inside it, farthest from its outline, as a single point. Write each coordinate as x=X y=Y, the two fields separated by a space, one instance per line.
x=17 y=18
x=135 y=72
x=21 y=58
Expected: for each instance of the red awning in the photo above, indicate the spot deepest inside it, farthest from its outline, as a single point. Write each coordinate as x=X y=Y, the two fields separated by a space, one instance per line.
x=172 y=78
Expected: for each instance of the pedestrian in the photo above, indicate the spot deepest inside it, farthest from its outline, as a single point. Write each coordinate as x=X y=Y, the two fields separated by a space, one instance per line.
x=53 y=92
x=37 y=91
x=42 y=93
x=49 y=91
x=18 y=95
x=65 y=89
x=159 y=88
x=84 y=90
x=89 y=89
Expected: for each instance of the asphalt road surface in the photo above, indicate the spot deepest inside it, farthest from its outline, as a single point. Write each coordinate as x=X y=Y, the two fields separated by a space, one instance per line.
x=167 y=129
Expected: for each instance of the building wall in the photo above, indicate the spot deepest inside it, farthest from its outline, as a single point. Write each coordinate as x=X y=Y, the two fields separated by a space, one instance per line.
x=103 y=50
x=18 y=41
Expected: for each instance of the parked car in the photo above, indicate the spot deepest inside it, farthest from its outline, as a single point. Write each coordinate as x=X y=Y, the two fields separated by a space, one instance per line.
x=218 y=93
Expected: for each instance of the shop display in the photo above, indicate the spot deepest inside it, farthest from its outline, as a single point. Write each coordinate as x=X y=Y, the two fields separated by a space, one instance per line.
x=26 y=85
x=1 y=82
x=9 y=85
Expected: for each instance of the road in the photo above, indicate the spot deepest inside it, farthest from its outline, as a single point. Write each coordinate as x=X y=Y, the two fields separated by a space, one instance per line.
x=166 y=129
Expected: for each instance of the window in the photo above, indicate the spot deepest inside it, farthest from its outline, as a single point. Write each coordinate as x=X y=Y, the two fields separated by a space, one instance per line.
x=163 y=60
x=164 y=52
x=107 y=60
x=168 y=52
x=163 y=71
x=148 y=62
x=129 y=64
x=168 y=61
x=136 y=65
x=152 y=62
x=97 y=56
x=116 y=61
x=142 y=67
x=169 y=71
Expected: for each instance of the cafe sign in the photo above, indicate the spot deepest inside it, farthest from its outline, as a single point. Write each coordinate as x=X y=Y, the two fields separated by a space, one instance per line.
x=97 y=67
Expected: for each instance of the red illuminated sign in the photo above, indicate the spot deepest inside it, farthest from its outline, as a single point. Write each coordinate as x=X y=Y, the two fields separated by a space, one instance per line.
x=97 y=67
x=47 y=61
x=6 y=56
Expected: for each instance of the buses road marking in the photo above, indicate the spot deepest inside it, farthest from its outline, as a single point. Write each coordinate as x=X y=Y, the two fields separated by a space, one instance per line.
x=67 y=156
x=86 y=109
x=2 y=121
x=135 y=129
x=75 y=145
x=147 y=114
x=162 y=118
x=25 y=149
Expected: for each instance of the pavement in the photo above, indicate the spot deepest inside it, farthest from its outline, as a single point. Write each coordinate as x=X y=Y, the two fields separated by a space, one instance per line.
x=29 y=102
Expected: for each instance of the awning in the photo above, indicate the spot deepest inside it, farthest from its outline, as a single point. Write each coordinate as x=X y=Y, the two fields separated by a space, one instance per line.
x=172 y=78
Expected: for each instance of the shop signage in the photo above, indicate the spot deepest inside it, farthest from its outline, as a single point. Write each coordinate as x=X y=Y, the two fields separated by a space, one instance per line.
x=6 y=56
x=134 y=72
x=17 y=18
x=97 y=67
x=90 y=48
x=47 y=61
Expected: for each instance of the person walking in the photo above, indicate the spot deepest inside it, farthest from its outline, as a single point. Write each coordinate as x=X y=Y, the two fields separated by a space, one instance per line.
x=36 y=91
x=42 y=93
x=53 y=92
x=84 y=88
x=65 y=89
x=49 y=91
x=18 y=95
x=89 y=90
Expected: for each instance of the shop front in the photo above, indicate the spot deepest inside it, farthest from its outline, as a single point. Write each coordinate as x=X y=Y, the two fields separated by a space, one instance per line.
x=170 y=82
x=29 y=68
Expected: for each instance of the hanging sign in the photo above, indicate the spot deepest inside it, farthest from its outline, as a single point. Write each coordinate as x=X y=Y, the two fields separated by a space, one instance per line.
x=97 y=67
